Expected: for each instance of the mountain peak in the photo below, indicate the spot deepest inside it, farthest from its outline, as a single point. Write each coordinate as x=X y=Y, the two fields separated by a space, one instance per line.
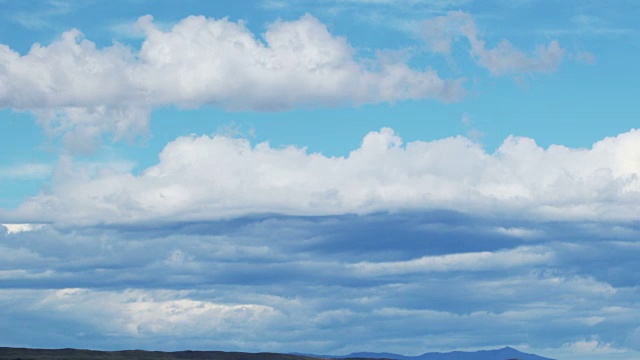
x=505 y=353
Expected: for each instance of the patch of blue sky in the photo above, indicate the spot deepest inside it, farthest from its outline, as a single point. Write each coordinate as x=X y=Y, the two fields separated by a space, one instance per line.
x=27 y=158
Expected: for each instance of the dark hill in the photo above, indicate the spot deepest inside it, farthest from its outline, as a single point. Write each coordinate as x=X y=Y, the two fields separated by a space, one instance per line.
x=506 y=353
x=75 y=354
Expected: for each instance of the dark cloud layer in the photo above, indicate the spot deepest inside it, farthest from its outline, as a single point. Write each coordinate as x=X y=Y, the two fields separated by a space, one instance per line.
x=422 y=280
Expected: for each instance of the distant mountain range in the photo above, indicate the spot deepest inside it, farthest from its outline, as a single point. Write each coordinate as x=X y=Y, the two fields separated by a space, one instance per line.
x=506 y=353
x=75 y=354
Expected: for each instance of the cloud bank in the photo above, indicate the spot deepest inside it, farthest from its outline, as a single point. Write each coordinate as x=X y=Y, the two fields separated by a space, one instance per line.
x=404 y=282
x=218 y=177
x=81 y=91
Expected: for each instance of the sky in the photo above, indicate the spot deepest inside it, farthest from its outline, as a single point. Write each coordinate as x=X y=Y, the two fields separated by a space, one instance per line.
x=321 y=176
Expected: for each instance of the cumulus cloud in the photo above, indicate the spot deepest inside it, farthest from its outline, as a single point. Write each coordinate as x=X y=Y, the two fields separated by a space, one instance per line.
x=78 y=89
x=504 y=59
x=594 y=349
x=592 y=346
x=214 y=177
x=300 y=62
x=140 y=313
x=18 y=228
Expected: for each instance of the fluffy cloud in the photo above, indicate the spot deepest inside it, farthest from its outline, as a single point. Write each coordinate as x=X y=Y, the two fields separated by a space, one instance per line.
x=592 y=349
x=78 y=89
x=504 y=59
x=300 y=62
x=203 y=177
x=17 y=228
x=140 y=313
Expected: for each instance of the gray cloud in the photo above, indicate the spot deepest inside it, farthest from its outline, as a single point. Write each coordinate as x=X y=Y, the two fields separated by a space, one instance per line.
x=504 y=59
x=190 y=284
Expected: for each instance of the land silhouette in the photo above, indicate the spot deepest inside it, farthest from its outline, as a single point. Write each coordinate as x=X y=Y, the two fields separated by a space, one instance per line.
x=7 y=353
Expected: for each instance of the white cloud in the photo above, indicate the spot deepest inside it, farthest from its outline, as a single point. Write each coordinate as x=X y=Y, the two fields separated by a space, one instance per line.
x=551 y=284
x=592 y=346
x=202 y=177
x=78 y=89
x=299 y=63
x=523 y=256
x=18 y=228
x=519 y=232
x=161 y=312
x=504 y=59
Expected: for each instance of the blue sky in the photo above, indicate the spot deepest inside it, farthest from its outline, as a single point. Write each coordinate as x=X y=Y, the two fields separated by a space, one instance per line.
x=320 y=177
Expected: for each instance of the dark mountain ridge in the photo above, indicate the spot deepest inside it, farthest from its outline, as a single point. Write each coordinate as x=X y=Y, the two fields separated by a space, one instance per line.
x=77 y=354
x=7 y=353
x=507 y=353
